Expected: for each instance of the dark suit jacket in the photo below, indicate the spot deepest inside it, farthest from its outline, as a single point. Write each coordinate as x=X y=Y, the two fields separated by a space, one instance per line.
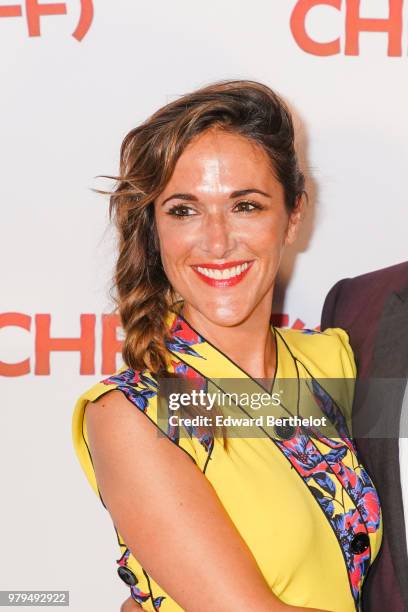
x=373 y=309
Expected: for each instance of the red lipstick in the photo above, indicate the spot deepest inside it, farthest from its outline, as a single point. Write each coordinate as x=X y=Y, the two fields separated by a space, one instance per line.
x=223 y=282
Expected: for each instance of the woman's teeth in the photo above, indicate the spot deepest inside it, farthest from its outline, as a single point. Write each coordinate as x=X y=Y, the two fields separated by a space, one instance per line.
x=223 y=274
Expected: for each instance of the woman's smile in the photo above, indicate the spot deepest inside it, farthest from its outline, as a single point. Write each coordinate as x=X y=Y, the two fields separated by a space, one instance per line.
x=223 y=275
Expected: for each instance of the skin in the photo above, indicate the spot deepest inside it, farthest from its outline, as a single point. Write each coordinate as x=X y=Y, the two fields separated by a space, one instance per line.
x=140 y=474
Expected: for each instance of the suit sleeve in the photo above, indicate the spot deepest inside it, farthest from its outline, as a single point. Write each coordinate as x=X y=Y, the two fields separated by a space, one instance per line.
x=328 y=318
x=345 y=372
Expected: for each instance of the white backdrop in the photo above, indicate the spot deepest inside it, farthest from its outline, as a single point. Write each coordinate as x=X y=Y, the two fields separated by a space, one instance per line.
x=66 y=104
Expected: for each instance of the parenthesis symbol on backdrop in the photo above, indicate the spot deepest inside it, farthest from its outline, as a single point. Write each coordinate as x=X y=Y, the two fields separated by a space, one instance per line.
x=85 y=20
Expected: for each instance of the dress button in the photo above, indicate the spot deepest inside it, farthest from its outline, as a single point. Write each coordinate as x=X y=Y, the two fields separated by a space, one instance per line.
x=127 y=575
x=285 y=431
x=359 y=543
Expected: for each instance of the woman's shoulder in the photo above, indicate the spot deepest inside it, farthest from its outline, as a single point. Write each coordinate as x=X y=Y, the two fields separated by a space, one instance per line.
x=329 y=351
x=141 y=392
x=139 y=387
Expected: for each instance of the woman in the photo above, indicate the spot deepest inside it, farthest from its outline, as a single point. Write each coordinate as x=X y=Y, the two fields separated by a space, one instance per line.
x=209 y=194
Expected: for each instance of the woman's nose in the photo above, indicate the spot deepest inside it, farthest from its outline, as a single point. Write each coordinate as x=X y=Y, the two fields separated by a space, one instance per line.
x=217 y=236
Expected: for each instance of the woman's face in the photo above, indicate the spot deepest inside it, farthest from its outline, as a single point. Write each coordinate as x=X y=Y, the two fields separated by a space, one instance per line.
x=222 y=226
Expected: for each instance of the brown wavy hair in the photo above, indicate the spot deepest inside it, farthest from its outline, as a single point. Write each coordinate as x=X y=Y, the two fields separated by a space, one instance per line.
x=148 y=155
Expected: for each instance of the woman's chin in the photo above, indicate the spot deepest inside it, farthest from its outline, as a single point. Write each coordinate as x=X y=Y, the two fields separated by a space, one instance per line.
x=225 y=315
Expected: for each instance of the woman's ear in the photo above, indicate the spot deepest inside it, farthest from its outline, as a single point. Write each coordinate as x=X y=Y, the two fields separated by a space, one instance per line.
x=295 y=219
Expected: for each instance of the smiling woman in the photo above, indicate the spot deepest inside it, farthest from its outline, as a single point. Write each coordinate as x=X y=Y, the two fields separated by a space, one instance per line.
x=215 y=234
x=209 y=194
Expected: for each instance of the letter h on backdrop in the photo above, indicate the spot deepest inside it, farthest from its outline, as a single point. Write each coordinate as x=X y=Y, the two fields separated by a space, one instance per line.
x=354 y=25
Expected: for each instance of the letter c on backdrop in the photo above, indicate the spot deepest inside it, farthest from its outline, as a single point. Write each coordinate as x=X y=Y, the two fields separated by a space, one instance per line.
x=298 y=28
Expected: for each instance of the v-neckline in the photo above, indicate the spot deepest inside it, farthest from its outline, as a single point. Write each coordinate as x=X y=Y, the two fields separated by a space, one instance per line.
x=175 y=316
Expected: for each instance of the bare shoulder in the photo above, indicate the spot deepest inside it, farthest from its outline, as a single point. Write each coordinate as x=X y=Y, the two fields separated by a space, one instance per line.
x=107 y=407
x=111 y=414
x=115 y=424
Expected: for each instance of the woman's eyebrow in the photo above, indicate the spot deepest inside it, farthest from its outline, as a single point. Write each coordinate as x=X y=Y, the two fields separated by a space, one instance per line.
x=235 y=194
x=243 y=192
x=181 y=196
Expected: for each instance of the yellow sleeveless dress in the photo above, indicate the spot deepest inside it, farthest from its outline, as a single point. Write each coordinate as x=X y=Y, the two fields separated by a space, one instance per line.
x=299 y=496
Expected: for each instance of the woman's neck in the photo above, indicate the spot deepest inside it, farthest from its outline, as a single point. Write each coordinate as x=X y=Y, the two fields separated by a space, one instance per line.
x=251 y=345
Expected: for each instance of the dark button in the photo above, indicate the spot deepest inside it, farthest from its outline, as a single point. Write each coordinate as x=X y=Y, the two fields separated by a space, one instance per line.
x=127 y=575
x=285 y=431
x=359 y=543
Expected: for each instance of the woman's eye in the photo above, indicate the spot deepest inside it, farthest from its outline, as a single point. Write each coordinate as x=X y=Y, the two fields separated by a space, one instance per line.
x=248 y=206
x=180 y=211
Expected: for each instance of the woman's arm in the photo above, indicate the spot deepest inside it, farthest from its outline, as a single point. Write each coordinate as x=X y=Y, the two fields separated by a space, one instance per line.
x=167 y=511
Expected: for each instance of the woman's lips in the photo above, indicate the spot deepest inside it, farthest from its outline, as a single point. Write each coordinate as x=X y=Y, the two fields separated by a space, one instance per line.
x=235 y=270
